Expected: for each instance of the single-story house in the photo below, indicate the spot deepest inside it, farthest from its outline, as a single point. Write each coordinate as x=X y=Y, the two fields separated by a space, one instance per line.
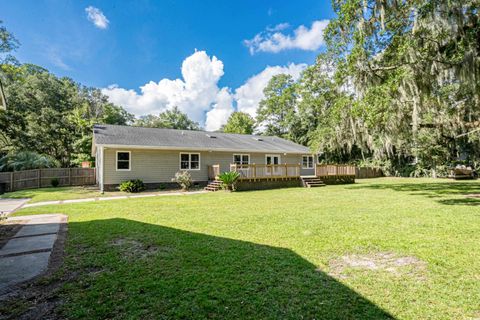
x=155 y=155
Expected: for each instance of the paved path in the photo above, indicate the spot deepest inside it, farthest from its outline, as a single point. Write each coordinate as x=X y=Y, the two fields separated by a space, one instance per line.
x=9 y=205
x=46 y=203
x=27 y=254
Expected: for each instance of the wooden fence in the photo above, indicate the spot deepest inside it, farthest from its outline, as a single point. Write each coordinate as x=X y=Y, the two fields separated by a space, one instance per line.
x=367 y=172
x=40 y=178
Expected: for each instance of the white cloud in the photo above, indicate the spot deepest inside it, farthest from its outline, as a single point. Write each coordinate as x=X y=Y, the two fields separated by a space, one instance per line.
x=250 y=94
x=220 y=112
x=97 y=17
x=272 y=40
x=197 y=93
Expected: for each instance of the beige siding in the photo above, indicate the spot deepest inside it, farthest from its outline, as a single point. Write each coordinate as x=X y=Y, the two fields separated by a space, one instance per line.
x=160 y=166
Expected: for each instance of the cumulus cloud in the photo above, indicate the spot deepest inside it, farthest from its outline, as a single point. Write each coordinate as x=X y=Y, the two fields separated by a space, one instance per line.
x=220 y=112
x=303 y=38
x=250 y=94
x=197 y=93
x=97 y=17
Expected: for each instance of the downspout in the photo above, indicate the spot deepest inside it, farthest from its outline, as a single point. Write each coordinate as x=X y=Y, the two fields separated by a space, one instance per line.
x=102 y=167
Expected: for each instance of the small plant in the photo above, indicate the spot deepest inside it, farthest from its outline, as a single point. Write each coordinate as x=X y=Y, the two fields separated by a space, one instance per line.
x=132 y=186
x=229 y=180
x=161 y=186
x=184 y=179
x=55 y=182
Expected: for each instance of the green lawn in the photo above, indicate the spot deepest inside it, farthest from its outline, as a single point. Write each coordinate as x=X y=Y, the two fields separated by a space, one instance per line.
x=61 y=193
x=382 y=248
x=50 y=194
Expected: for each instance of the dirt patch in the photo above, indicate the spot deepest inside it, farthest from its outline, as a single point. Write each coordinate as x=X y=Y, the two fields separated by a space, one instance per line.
x=375 y=262
x=8 y=229
x=473 y=195
x=131 y=248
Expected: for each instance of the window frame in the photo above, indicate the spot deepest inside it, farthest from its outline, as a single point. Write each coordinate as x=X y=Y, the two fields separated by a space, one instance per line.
x=189 y=161
x=308 y=162
x=129 y=160
x=273 y=155
x=241 y=158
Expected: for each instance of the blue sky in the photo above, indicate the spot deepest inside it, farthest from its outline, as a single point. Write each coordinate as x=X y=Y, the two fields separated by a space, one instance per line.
x=135 y=44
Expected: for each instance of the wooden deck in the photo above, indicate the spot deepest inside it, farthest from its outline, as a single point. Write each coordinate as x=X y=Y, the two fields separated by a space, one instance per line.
x=253 y=172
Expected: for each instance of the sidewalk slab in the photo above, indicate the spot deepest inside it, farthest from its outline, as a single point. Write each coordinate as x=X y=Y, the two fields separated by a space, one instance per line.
x=25 y=245
x=37 y=229
x=19 y=258
x=10 y=205
x=21 y=268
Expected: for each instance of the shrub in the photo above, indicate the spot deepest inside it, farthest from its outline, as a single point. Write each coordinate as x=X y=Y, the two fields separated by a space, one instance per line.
x=26 y=160
x=55 y=182
x=184 y=179
x=136 y=185
x=229 y=179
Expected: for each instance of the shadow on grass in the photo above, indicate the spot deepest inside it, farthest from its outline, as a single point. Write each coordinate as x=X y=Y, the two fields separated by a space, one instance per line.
x=435 y=190
x=128 y=269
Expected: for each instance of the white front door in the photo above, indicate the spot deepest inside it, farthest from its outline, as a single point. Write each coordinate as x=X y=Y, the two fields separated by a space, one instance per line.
x=272 y=159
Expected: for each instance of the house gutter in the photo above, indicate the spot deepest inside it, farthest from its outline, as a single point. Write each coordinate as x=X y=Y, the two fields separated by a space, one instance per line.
x=117 y=146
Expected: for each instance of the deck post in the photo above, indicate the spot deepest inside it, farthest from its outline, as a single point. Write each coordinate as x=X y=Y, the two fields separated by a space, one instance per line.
x=254 y=171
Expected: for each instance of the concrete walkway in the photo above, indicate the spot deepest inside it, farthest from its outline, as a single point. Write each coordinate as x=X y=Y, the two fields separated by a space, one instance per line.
x=27 y=254
x=9 y=205
x=46 y=203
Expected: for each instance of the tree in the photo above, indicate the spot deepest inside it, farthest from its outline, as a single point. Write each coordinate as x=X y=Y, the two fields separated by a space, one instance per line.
x=26 y=160
x=276 y=112
x=239 y=122
x=8 y=43
x=52 y=116
x=170 y=119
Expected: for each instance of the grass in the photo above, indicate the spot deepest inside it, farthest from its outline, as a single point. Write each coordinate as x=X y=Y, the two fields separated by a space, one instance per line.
x=61 y=193
x=268 y=254
x=50 y=194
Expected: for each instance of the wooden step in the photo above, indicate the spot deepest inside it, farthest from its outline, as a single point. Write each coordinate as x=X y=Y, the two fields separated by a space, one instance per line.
x=314 y=185
x=213 y=186
x=312 y=182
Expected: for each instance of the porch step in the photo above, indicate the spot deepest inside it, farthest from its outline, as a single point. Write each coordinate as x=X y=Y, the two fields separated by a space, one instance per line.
x=213 y=186
x=312 y=182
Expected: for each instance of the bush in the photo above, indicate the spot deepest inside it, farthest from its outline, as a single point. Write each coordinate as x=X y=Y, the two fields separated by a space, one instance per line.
x=132 y=186
x=55 y=182
x=184 y=179
x=26 y=160
x=229 y=179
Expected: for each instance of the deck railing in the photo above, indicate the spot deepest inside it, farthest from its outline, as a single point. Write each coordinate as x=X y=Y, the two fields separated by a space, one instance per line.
x=266 y=171
x=323 y=170
x=213 y=171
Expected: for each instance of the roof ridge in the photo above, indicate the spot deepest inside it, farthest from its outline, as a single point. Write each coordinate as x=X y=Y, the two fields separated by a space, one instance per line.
x=203 y=131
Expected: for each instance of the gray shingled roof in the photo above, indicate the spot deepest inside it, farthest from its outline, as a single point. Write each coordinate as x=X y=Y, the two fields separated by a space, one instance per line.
x=114 y=135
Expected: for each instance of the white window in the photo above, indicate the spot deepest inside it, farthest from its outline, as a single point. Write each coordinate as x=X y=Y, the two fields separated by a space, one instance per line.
x=123 y=160
x=273 y=162
x=307 y=162
x=272 y=159
x=190 y=161
x=241 y=159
